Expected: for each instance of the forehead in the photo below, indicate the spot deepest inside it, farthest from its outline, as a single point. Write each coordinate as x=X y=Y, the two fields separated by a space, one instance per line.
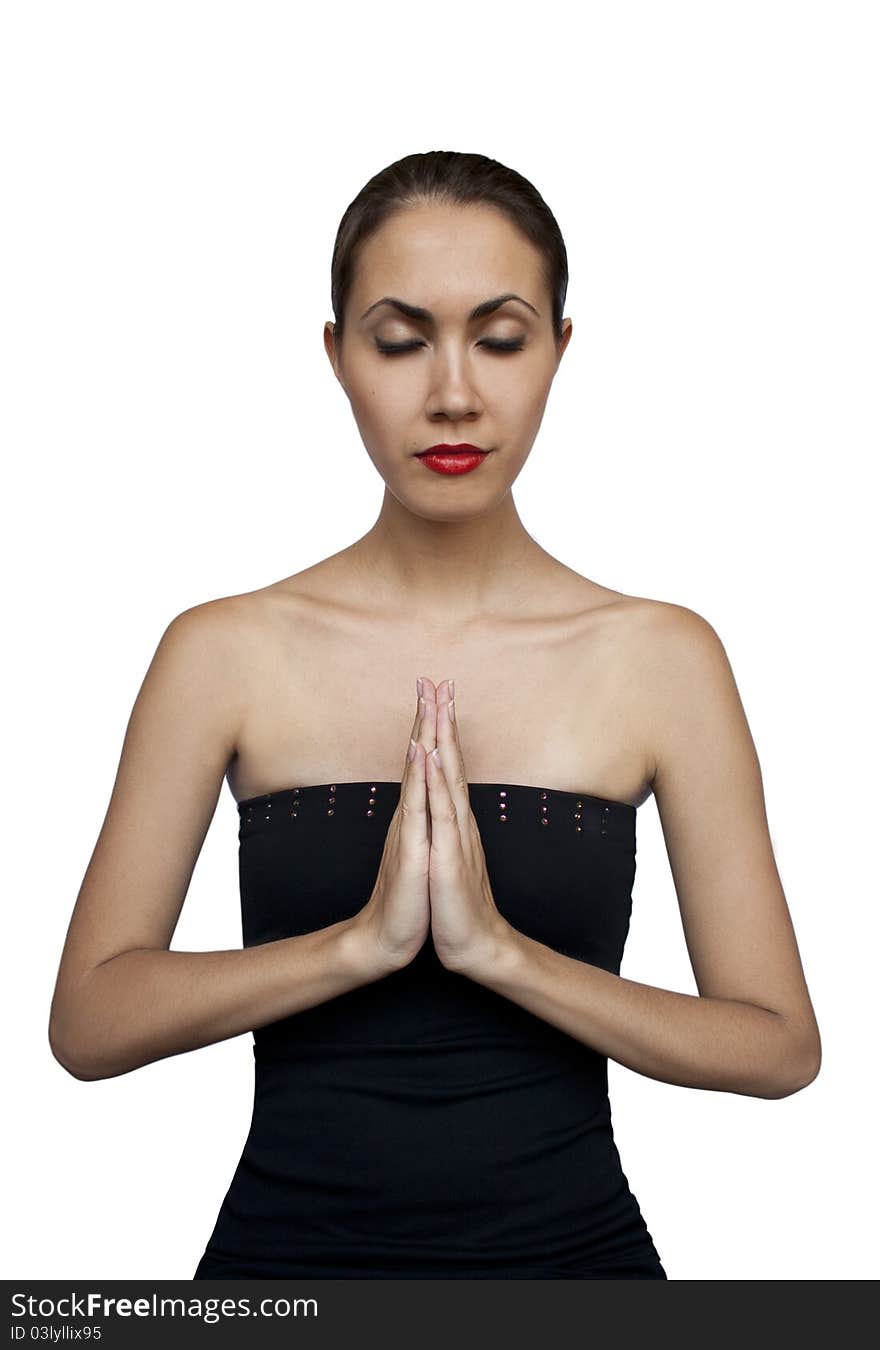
x=448 y=257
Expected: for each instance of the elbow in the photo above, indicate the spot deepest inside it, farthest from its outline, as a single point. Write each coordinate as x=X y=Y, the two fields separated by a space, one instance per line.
x=801 y=1069
x=809 y=1060
x=71 y=1056
x=810 y=1073
x=72 y=1038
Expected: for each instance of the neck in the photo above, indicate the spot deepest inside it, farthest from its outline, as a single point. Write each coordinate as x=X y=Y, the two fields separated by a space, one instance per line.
x=448 y=571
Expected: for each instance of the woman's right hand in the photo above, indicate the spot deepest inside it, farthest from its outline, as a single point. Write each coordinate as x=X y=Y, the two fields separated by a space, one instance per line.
x=396 y=919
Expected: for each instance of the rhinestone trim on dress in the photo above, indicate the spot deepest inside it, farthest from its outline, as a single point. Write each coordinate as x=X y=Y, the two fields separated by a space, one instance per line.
x=605 y=818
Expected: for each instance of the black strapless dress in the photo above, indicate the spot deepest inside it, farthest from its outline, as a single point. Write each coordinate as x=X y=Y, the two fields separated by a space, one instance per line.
x=424 y=1126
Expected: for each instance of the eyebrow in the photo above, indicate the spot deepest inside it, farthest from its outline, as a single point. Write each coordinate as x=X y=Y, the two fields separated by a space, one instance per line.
x=479 y=312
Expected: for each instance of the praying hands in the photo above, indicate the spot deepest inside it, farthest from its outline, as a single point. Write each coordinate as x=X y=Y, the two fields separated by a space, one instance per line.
x=433 y=869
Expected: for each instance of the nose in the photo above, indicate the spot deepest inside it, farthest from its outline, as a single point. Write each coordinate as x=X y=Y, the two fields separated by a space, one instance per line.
x=452 y=392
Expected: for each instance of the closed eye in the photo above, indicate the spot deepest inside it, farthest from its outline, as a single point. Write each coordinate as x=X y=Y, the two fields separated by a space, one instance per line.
x=493 y=344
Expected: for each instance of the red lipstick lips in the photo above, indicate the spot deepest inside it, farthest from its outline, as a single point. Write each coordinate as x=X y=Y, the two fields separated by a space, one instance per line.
x=452 y=458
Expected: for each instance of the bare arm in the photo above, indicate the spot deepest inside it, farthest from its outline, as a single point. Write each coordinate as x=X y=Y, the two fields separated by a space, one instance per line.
x=147 y=1004
x=687 y=1039
x=122 y=998
x=751 y=1029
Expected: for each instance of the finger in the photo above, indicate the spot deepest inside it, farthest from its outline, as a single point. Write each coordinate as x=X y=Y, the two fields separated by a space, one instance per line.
x=429 y=689
x=413 y=790
x=445 y=836
x=450 y=749
x=414 y=794
x=414 y=733
x=429 y=717
x=428 y=740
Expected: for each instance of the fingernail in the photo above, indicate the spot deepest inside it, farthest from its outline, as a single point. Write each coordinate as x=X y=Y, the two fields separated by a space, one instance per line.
x=419 y=688
x=421 y=707
x=452 y=709
x=452 y=688
x=411 y=752
x=436 y=753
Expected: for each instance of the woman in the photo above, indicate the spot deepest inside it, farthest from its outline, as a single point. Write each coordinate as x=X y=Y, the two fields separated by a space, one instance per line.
x=431 y=960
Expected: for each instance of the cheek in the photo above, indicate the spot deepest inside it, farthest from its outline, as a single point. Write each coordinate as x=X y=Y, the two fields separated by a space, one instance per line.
x=387 y=405
x=370 y=389
x=524 y=398
x=523 y=380
x=383 y=411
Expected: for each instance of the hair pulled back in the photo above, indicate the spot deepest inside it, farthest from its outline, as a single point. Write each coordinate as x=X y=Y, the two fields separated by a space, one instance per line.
x=457 y=178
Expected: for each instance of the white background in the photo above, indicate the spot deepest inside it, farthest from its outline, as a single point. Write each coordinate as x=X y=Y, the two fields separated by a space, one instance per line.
x=174 y=174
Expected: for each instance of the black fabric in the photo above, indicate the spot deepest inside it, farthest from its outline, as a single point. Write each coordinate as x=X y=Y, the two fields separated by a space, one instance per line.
x=422 y=1125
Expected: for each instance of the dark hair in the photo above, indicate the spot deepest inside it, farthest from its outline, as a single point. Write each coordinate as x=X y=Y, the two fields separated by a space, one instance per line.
x=460 y=179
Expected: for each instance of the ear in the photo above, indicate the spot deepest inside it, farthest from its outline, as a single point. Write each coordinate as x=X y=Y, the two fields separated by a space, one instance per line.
x=330 y=348
x=564 y=340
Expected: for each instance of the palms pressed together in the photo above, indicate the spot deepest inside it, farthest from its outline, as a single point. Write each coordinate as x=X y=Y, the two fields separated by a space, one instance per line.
x=466 y=925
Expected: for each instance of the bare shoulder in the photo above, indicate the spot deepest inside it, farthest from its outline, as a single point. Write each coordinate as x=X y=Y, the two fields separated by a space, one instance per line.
x=656 y=626
x=229 y=617
x=223 y=641
x=191 y=703
x=667 y=627
x=669 y=674
x=686 y=685
x=668 y=654
x=213 y=629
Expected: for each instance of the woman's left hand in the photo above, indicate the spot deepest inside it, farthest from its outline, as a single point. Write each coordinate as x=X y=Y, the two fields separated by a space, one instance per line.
x=466 y=927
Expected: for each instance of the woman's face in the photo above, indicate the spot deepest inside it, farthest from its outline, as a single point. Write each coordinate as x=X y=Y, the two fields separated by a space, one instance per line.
x=449 y=384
